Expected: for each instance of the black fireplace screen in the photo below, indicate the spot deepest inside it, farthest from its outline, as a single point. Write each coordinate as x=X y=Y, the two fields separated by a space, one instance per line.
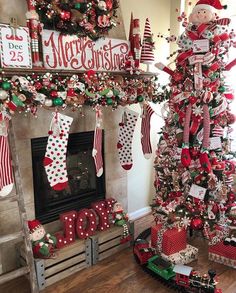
x=84 y=187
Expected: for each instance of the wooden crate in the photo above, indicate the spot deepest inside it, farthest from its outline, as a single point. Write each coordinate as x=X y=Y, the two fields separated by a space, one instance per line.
x=106 y=243
x=69 y=260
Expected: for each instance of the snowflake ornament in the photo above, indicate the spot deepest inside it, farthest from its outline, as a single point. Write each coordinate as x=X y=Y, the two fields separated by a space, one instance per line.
x=197 y=111
x=33 y=2
x=185 y=222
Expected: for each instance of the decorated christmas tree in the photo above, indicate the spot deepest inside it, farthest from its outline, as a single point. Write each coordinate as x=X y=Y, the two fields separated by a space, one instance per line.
x=147 y=54
x=194 y=164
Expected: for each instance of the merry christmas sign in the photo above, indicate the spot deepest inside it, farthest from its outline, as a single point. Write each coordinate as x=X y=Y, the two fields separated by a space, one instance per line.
x=66 y=52
x=15 y=47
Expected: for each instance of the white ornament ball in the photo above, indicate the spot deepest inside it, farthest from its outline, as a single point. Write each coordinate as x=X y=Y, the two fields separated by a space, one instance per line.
x=48 y=103
x=3 y=95
x=102 y=5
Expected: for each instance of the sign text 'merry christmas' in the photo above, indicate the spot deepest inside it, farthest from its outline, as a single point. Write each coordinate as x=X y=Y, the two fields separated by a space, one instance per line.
x=71 y=52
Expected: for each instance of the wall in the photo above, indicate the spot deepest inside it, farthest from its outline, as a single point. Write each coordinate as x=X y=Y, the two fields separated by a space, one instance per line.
x=141 y=176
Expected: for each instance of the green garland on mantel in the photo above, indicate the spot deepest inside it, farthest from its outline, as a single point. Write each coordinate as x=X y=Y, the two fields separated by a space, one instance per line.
x=25 y=93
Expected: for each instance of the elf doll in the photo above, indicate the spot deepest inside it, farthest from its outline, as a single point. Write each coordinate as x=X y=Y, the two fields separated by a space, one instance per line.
x=43 y=243
x=120 y=218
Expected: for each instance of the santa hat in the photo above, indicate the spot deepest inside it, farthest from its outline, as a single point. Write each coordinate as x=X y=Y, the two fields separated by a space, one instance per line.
x=33 y=225
x=209 y=5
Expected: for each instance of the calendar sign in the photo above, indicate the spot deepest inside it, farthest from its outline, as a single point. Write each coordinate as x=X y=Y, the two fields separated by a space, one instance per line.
x=15 y=48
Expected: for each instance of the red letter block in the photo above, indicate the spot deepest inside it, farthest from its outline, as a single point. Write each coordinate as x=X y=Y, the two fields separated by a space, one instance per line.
x=86 y=223
x=103 y=208
x=68 y=220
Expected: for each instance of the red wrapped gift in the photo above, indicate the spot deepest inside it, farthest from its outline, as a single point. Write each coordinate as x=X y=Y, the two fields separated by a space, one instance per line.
x=173 y=240
x=228 y=251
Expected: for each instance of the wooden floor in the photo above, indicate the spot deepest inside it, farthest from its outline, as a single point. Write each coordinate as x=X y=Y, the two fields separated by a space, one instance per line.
x=121 y=274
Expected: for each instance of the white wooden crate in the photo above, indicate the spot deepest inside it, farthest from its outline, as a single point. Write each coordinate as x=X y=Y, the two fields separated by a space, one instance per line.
x=69 y=260
x=106 y=243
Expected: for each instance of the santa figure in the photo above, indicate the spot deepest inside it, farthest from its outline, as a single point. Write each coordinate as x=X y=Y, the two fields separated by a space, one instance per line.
x=43 y=244
x=120 y=218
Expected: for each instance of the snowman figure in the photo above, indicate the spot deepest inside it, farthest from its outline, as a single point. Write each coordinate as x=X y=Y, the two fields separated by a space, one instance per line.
x=43 y=244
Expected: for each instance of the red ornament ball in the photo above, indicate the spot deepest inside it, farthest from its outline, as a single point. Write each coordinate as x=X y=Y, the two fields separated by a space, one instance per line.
x=196 y=224
x=177 y=76
x=54 y=94
x=38 y=85
x=65 y=15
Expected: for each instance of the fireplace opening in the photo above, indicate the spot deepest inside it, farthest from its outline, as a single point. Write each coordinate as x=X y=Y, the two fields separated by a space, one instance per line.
x=84 y=187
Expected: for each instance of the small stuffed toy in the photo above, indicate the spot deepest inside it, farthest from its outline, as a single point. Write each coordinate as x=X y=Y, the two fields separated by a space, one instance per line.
x=43 y=244
x=120 y=218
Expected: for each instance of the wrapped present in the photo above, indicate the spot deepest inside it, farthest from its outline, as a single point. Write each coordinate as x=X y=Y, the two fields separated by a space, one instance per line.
x=172 y=240
x=225 y=254
x=184 y=256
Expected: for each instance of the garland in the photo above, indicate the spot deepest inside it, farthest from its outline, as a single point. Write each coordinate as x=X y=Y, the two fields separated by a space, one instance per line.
x=81 y=17
x=27 y=93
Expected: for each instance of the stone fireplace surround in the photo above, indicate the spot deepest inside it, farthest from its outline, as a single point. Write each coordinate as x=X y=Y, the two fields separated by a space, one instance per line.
x=27 y=127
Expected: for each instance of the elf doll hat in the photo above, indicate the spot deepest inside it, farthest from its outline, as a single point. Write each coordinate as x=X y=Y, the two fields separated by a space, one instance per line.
x=211 y=5
x=33 y=225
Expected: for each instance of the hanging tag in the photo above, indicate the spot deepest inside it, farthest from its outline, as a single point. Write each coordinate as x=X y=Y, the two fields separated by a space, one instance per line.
x=200 y=46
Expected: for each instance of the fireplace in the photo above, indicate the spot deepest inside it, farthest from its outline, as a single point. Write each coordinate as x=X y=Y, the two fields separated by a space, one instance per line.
x=84 y=187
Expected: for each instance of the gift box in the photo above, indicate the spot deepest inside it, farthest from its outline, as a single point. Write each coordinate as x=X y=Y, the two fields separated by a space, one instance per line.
x=173 y=240
x=185 y=256
x=224 y=254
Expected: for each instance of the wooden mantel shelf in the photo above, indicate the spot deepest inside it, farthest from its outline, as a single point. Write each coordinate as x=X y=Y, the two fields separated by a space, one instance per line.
x=8 y=72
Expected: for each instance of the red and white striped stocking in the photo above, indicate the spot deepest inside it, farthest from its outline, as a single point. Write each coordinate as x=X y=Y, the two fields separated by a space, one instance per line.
x=55 y=157
x=145 y=131
x=126 y=133
x=6 y=176
x=97 y=144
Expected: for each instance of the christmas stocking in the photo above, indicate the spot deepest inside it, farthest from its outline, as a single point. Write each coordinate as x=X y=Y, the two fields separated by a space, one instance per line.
x=145 y=131
x=97 y=144
x=55 y=157
x=126 y=133
x=6 y=177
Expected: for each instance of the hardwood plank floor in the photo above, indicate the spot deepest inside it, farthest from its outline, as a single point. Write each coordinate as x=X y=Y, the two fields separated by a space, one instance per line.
x=120 y=274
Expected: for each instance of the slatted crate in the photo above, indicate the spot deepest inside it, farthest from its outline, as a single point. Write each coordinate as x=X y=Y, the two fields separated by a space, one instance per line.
x=69 y=260
x=106 y=243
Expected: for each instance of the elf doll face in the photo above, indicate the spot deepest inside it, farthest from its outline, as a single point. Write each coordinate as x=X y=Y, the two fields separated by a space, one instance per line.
x=117 y=208
x=201 y=16
x=37 y=234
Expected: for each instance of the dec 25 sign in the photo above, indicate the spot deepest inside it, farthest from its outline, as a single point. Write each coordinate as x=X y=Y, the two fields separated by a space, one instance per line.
x=15 y=48
x=66 y=52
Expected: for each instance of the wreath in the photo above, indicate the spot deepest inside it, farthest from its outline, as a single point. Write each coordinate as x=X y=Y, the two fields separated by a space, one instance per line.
x=84 y=18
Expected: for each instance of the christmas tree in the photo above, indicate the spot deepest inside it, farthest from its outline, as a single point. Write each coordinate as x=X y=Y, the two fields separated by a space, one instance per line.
x=147 y=54
x=194 y=164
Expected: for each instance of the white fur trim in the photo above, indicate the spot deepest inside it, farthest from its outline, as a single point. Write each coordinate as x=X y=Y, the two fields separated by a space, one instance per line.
x=203 y=6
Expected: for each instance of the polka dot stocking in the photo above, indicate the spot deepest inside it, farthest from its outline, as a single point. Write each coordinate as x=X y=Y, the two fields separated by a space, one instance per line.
x=55 y=157
x=126 y=133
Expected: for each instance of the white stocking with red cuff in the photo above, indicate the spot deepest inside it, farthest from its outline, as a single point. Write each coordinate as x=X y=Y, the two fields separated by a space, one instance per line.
x=55 y=157
x=145 y=131
x=126 y=132
x=6 y=177
x=97 y=144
